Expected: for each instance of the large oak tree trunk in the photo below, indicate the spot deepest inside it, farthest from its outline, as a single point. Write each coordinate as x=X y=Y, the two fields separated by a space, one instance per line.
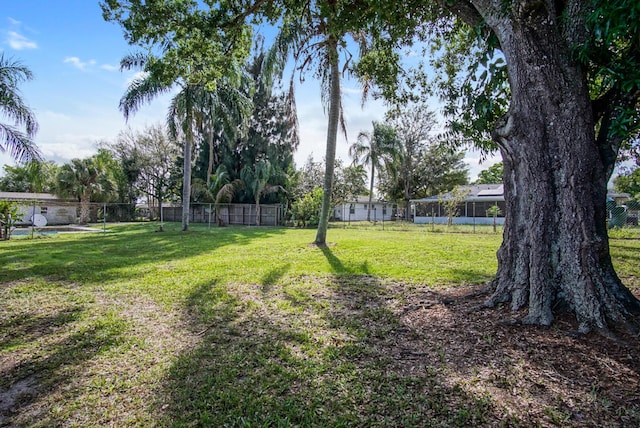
x=555 y=252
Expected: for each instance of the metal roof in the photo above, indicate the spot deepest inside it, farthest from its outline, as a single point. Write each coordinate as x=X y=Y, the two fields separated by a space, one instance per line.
x=29 y=196
x=476 y=192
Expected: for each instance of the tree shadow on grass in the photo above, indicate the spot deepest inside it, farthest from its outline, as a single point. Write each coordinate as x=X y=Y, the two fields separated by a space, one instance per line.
x=28 y=327
x=339 y=268
x=273 y=276
x=329 y=358
x=28 y=378
x=98 y=257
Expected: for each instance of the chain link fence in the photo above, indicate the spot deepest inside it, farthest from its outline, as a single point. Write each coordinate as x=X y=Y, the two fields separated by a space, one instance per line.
x=60 y=213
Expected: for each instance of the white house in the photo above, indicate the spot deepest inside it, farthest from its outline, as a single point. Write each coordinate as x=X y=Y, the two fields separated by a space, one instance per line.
x=475 y=207
x=54 y=209
x=473 y=210
x=356 y=210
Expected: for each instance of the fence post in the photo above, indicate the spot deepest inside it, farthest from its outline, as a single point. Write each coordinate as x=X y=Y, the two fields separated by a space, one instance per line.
x=33 y=217
x=433 y=220
x=474 y=216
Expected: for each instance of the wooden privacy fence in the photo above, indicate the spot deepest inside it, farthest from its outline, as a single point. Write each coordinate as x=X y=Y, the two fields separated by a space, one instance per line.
x=227 y=214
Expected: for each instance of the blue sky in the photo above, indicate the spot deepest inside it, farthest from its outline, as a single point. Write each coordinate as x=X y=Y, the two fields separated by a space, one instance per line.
x=74 y=55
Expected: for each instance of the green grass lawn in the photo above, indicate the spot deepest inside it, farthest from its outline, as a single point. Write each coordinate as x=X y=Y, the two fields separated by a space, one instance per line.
x=235 y=327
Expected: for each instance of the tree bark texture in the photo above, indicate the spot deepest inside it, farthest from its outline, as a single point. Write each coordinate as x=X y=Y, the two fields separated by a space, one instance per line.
x=555 y=251
x=332 y=137
x=371 y=183
x=85 y=207
x=211 y=152
x=258 y=210
x=186 y=184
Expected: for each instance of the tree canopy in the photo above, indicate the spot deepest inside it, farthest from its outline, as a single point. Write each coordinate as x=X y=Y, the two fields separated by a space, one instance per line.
x=13 y=139
x=629 y=182
x=491 y=175
x=423 y=164
x=33 y=176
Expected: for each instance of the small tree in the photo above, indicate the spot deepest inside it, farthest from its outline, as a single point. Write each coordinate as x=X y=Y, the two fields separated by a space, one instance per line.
x=148 y=158
x=9 y=214
x=256 y=180
x=452 y=202
x=494 y=212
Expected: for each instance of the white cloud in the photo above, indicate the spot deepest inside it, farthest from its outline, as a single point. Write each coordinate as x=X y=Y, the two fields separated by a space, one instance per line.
x=73 y=146
x=109 y=67
x=53 y=116
x=77 y=63
x=84 y=65
x=13 y=21
x=19 y=42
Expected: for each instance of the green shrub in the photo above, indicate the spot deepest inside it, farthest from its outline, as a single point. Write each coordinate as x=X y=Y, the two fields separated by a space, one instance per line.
x=306 y=211
x=8 y=216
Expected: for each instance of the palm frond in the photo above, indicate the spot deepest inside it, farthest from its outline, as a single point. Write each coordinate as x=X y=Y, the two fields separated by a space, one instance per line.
x=13 y=108
x=286 y=42
x=227 y=192
x=136 y=60
x=19 y=145
x=141 y=91
x=13 y=72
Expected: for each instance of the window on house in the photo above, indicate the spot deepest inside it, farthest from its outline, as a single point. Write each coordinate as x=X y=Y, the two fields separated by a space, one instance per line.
x=384 y=210
x=43 y=210
x=352 y=209
x=365 y=206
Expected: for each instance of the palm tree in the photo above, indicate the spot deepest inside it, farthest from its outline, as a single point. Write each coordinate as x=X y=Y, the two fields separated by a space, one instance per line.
x=308 y=38
x=181 y=120
x=374 y=149
x=32 y=176
x=221 y=114
x=256 y=179
x=19 y=144
x=84 y=179
x=221 y=187
x=149 y=85
x=189 y=108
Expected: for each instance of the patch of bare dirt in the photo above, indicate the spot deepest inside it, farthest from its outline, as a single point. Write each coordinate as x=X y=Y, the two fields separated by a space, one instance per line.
x=12 y=397
x=534 y=376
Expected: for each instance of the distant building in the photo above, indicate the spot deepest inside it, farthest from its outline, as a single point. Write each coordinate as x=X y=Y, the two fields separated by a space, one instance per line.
x=473 y=210
x=356 y=210
x=56 y=210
